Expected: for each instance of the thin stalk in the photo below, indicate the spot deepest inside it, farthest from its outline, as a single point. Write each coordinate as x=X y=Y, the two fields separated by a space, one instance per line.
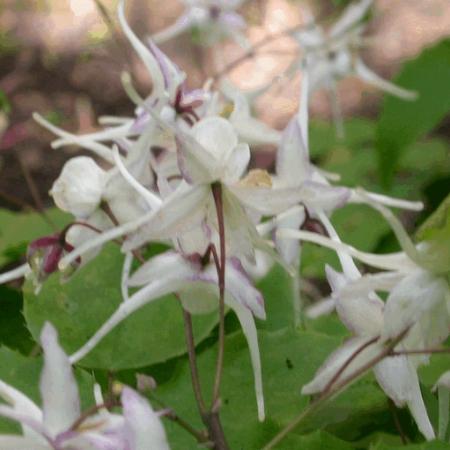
x=326 y=395
x=190 y=344
x=217 y=194
x=397 y=423
x=200 y=435
x=349 y=360
x=420 y=352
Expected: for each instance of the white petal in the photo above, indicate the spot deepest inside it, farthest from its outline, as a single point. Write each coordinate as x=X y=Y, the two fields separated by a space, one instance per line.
x=14 y=274
x=126 y=269
x=386 y=200
x=320 y=196
x=11 y=442
x=19 y=401
x=392 y=261
x=80 y=186
x=443 y=381
x=217 y=136
x=59 y=391
x=180 y=212
x=147 y=58
x=167 y=264
x=399 y=381
x=360 y=311
x=237 y=163
x=353 y=14
x=143 y=426
x=363 y=72
x=179 y=27
x=336 y=361
x=151 y=198
x=22 y=404
x=34 y=429
x=288 y=249
x=249 y=329
x=413 y=298
x=99 y=149
x=169 y=218
x=292 y=164
x=321 y=308
x=267 y=201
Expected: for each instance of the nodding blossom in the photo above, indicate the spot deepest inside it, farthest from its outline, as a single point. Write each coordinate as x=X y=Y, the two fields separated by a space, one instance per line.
x=333 y=54
x=195 y=281
x=60 y=424
x=212 y=20
x=418 y=304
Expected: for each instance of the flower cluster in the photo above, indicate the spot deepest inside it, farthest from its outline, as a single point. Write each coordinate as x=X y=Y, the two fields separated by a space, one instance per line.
x=178 y=172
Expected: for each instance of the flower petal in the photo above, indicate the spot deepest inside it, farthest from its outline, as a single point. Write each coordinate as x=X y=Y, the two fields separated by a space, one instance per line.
x=292 y=164
x=143 y=426
x=340 y=357
x=353 y=14
x=411 y=299
x=363 y=72
x=59 y=390
x=146 y=56
x=249 y=329
x=399 y=381
x=11 y=442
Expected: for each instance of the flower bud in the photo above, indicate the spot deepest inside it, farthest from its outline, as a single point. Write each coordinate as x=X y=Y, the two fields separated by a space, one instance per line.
x=79 y=188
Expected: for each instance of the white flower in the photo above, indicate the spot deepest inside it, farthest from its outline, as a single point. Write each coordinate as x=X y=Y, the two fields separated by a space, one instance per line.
x=418 y=302
x=250 y=130
x=213 y=19
x=197 y=286
x=59 y=425
x=79 y=188
x=332 y=55
x=51 y=428
x=143 y=429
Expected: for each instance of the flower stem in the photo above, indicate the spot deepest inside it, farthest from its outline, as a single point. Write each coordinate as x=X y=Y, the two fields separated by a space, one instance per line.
x=217 y=194
x=189 y=335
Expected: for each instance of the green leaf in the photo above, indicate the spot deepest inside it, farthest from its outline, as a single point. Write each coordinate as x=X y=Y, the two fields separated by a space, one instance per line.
x=402 y=122
x=436 y=231
x=17 y=230
x=24 y=374
x=13 y=331
x=276 y=288
x=289 y=360
x=435 y=445
x=78 y=308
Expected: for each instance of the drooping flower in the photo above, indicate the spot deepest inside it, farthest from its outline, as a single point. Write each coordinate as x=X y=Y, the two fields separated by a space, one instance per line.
x=333 y=54
x=417 y=303
x=211 y=19
x=196 y=284
x=60 y=424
